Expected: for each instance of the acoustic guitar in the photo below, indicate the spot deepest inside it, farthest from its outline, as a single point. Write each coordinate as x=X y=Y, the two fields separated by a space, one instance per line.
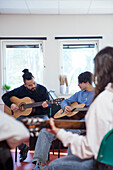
x=36 y=124
x=77 y=113
x=25 y=106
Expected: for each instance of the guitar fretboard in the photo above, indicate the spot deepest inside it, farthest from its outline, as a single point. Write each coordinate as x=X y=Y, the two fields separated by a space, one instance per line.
x=77 y=109
x=33 y=123
x=33 y=105
x=36 y=104
x=80 y=109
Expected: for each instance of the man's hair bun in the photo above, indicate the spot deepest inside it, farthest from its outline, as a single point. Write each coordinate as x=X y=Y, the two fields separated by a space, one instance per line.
x=25 y=70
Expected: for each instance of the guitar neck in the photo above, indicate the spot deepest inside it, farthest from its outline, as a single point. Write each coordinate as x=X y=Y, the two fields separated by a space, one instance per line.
x=66 y=124
x=80 y=109
x=36 y=104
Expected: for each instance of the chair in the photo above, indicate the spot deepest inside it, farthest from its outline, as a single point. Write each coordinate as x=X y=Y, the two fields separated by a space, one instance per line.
x=55 y=144
x=105 y=154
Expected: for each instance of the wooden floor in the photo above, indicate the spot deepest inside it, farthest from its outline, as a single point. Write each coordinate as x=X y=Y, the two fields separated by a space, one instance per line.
x=27 y=164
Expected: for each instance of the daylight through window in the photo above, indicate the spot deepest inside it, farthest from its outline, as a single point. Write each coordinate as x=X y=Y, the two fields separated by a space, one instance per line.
x=75 y=59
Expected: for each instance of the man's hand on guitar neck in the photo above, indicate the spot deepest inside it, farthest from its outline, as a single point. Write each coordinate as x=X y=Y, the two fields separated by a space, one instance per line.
x=54 y=130
x=44 y=104
x=14 y=107
x=67 y=109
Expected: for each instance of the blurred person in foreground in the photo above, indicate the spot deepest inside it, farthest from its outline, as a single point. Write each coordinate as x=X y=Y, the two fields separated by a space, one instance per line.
x=12 y=133
x=99 y=120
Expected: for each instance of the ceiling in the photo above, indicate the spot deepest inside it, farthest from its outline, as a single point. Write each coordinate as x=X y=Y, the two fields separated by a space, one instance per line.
x=56 y=6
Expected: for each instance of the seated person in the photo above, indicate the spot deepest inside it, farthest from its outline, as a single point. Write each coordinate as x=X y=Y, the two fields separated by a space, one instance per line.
x=45 y=138
x=36 y=92
x=12 y=133
x=99 y=120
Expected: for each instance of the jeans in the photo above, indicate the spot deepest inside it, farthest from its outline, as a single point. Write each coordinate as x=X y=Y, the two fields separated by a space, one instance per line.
x=43 y=145
x=72 y=162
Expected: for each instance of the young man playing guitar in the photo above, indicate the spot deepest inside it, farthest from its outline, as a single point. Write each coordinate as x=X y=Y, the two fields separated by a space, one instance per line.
x=84 y=96
x=45 y=138
x=34 y=91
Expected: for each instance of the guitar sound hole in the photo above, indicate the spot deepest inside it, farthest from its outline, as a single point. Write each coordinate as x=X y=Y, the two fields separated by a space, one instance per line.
x=22 y=107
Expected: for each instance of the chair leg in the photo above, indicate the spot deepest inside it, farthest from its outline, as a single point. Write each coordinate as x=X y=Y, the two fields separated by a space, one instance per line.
x=48 y=157
x=16 y=154
x=53 y=147
x=59 y=146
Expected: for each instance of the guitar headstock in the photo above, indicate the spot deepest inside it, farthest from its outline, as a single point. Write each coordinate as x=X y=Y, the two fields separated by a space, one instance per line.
x=56 y=101
x=33 y=125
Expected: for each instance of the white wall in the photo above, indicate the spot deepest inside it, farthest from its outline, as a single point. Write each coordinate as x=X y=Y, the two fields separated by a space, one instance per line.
x=56 y=25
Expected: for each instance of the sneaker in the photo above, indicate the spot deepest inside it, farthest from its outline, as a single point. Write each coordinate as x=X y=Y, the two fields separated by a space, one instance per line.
x=23 y=153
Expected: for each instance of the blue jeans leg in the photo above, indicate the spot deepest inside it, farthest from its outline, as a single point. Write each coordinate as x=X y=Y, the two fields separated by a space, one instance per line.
x=42 y=147
x=72 y=162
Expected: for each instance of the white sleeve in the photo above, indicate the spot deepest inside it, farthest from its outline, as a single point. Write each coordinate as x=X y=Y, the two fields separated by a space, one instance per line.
x=98 y=123
x=11 y=130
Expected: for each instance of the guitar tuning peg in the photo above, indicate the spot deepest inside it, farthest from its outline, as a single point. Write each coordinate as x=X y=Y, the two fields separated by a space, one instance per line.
x=34 y=120
x=36 y=134
x=31 y=129
x=37 y=129
x=31 y=134
x=29 y=120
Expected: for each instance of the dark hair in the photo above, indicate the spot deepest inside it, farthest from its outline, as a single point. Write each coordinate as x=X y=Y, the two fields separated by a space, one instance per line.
x=85 y=77
x=27 y=75
x=103 y=69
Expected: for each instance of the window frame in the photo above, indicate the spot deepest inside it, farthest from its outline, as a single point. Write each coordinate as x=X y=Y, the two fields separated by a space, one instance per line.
x=61 y=42
x=18 y=42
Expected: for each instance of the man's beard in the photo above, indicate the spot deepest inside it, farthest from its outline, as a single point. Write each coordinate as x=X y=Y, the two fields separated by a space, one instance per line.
x=33 y=89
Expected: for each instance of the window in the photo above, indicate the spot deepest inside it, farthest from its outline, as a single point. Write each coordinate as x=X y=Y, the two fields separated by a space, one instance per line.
x=18 y=55
x=76 y=57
